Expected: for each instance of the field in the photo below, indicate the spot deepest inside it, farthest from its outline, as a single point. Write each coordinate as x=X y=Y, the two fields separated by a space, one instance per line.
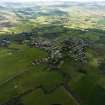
x=17 y=58
x=59 y=96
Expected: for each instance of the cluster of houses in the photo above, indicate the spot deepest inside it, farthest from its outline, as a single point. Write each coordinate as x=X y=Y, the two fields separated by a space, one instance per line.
x=4 y=43
x=21 y=37
x=55 y=58
x=54 y=54
x=72 y=47
x=40 y=61
x=75 y=48
x=40 y=42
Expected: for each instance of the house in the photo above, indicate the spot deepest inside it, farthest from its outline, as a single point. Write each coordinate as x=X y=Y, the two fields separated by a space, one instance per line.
x=4 y=43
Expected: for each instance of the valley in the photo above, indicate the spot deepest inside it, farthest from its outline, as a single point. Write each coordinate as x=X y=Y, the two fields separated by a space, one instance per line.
x=52 y=53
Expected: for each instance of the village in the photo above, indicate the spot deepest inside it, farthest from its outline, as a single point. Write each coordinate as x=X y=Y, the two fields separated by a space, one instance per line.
x=69 y=47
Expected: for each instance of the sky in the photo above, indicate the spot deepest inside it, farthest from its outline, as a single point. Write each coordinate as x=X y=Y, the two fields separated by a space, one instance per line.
x=48 y=0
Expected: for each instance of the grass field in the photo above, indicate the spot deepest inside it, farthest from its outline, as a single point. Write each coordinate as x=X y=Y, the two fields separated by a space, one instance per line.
x=90 y=92
x=39 y=76
x=59 y=96
x=17 y=58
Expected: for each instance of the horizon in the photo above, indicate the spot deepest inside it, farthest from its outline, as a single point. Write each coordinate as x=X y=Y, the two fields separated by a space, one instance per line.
x=50 y=0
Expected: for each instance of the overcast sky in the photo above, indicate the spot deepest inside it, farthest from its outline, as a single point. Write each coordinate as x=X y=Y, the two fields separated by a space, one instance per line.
x=48 y=0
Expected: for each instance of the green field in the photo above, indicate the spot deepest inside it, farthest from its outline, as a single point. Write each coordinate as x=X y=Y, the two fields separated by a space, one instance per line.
x=17 y=58
x=59 y=96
